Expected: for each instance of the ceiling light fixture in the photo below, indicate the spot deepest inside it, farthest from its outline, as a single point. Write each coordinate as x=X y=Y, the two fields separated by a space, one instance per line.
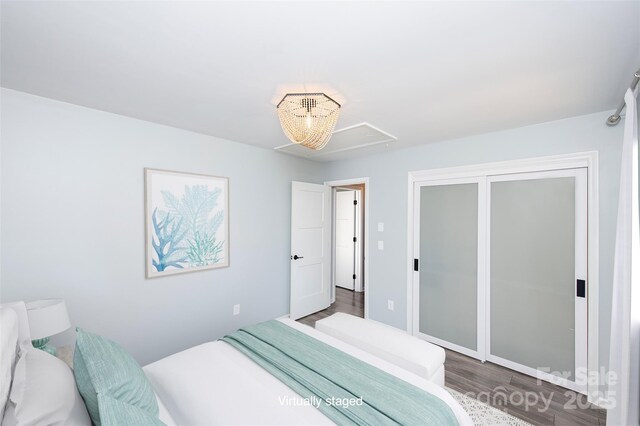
x=308 y=119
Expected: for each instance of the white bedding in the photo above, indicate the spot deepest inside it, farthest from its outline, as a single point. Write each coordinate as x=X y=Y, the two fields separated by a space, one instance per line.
x=215 y=384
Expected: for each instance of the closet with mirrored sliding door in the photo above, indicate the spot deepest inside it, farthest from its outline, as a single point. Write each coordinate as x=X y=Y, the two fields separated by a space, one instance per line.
x=500 y=268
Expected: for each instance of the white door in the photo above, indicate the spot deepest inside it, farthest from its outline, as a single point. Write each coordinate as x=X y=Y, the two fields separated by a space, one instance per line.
x=537 y=272
x=310 y=249
x=346 y=239
x=448 y=249
x=500 y=270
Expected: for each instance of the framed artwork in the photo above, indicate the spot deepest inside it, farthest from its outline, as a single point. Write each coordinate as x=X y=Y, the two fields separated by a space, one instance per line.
x=187 y=222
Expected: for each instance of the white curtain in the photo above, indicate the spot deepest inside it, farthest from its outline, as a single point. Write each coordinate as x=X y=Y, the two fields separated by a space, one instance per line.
x=624 y=396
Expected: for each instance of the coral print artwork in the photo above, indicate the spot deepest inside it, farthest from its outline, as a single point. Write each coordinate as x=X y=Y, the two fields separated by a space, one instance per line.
x=187 y=222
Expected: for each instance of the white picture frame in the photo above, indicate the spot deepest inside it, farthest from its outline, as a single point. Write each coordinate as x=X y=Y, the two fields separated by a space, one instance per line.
x=186 y=222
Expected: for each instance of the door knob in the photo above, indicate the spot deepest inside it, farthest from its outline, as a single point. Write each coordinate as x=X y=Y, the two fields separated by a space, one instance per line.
x=296 y=257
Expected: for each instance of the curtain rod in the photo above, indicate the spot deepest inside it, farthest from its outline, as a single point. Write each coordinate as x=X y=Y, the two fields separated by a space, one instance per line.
x=615 y=118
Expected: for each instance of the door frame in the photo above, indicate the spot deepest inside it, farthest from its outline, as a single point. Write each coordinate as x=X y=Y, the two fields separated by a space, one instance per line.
x=365 y=219
x=357 y=247
x=588 y=160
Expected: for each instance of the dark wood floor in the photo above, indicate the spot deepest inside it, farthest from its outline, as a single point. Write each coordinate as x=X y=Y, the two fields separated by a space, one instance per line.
x=347 y=301
x=515 y=393
x=518 y=394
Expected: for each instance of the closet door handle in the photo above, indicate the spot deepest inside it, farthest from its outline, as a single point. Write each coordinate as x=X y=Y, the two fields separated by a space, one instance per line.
x=581 y=288
x=296 y=257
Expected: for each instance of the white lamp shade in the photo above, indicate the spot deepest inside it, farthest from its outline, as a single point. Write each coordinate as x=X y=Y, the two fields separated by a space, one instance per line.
x=47 y=317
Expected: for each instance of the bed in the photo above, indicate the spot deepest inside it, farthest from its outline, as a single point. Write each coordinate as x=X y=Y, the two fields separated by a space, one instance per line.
x=214 y=383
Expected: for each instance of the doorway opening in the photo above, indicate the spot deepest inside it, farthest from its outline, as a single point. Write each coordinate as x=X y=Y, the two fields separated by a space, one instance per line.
x=348 y=247
x=349 y=239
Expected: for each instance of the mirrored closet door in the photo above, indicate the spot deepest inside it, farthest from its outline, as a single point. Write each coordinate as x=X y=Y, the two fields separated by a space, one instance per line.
x=502 y=270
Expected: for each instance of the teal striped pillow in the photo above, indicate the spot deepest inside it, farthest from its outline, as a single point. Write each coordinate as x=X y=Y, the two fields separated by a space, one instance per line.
x=102 y=367
x=118 y=413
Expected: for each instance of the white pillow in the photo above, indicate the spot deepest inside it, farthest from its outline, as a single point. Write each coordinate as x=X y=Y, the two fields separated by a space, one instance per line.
x=24 y=334
x=44 y=392
x=163 y=413
x=9 y=347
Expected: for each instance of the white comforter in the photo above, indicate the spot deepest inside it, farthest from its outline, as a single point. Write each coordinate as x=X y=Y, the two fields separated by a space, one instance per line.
x=214 y=384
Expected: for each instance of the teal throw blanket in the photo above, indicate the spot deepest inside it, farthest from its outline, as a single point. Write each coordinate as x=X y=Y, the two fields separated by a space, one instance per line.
x=346 y=390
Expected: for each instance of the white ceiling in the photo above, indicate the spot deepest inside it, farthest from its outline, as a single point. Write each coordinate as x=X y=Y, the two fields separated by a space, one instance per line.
x=422 y=71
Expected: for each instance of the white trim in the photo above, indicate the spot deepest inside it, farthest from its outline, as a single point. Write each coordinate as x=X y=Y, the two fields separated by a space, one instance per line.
x=412 y=328
x=487 y=273
x=483 y=268
x=600 y=401
x=582 y=261
x=593 y=274
x=415 y=275
x=538 y=164
x=556 y=162
x=359 y=249
x=556 y=380
x=448 y=345
x=367 y=202
x=333 y=242
x=365 y=123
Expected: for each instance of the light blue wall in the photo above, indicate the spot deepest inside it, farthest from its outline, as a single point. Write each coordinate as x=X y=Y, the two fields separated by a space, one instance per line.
x=73 y=225
x=388 y=198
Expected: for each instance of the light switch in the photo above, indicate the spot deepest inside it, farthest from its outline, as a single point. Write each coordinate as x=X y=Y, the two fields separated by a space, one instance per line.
x=380 y=227
x=390 y=305
x=236 y=309
x=380 y=245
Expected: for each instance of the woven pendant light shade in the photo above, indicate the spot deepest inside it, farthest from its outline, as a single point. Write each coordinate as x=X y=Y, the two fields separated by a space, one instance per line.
x=308 y=119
